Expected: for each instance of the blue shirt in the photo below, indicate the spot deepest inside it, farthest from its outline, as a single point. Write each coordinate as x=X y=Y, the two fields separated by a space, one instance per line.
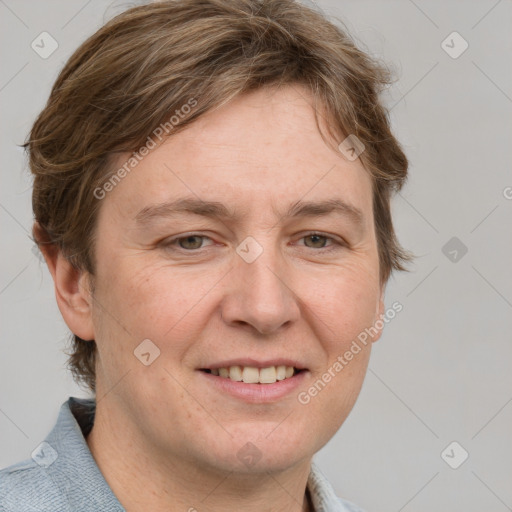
x=62 y=475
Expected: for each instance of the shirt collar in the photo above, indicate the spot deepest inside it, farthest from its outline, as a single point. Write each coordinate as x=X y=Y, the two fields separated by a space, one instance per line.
x=323 y=496
x=74 y=470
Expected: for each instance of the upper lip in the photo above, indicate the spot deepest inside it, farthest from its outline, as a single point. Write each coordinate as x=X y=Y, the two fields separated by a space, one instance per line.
x=247 y=361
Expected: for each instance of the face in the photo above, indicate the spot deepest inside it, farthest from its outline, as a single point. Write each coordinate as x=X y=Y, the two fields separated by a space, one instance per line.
x=242 y=243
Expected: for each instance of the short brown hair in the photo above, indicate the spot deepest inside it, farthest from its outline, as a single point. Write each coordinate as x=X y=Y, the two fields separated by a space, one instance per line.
x=135 y=71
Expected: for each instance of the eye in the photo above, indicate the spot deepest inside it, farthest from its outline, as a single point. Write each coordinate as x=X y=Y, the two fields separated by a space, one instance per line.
x=188 y=243
x=321 y=241
x=195 y=242
x=317 y=241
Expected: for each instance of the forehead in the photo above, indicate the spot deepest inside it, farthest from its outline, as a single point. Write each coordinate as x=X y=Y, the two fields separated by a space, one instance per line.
x=261 y=149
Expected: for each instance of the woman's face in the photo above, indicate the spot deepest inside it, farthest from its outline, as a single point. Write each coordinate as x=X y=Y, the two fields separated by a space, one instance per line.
x=242 y=243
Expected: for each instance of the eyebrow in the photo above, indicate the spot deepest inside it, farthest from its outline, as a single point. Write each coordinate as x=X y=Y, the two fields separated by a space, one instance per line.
x=215 y=209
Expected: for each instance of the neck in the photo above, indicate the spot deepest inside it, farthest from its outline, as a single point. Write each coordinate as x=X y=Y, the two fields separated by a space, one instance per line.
x=142 y=478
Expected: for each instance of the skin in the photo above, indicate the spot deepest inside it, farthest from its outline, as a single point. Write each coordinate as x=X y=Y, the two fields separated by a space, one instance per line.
x=163 y=438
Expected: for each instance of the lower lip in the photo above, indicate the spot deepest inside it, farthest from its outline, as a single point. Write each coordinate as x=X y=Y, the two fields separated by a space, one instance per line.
x=256 y=393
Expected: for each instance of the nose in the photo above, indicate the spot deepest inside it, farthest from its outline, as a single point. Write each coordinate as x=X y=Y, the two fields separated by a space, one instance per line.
x=260 y=295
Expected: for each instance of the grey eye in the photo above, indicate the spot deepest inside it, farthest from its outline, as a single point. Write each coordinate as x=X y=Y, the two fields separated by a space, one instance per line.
x=191 y=242
x=318 y=241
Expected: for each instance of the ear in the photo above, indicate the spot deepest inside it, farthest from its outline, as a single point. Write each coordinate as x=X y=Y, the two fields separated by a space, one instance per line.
x=379 y=314
x=72 y=287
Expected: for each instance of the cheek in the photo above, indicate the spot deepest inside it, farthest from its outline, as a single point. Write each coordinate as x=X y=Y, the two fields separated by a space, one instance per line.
x=154 y=301
x=345 y=300
x=345 y=308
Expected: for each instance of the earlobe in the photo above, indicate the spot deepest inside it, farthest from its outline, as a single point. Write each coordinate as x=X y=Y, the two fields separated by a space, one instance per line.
x=72 y=290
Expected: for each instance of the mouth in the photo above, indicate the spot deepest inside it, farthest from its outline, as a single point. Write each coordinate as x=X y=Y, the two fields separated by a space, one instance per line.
x=253 y=374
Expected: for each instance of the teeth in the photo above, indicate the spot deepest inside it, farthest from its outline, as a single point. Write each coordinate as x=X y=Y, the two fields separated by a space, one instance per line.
x=281 y=372
x=252 y=375
x=268 y=375
x=235 y=373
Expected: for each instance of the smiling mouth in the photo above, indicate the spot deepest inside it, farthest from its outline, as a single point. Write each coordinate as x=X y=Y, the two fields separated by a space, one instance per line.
x=253 y=375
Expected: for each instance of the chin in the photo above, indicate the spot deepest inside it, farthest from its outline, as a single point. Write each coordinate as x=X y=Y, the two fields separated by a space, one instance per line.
x=260 y=447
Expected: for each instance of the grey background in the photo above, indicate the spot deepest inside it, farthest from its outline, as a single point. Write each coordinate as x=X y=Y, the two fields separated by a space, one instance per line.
x=441 y=371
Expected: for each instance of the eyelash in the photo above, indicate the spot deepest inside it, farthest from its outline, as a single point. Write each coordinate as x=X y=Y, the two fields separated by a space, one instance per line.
x=335 y=244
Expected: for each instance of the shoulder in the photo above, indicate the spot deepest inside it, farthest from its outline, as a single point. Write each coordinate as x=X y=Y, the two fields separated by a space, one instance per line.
x=26 y=486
